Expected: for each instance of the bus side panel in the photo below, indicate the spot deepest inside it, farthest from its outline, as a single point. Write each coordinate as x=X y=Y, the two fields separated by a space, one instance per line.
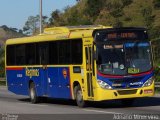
x=16 y=81
x=53 y=83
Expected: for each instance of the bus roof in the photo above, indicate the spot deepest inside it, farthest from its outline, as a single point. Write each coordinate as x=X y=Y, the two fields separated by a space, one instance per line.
x=59 y=33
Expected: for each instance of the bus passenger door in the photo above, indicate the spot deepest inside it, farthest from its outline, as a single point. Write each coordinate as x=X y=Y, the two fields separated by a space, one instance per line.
x=44 y=70
x=89 y=73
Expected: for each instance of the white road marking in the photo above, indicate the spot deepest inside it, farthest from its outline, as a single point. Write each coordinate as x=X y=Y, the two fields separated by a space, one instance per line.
x=99 y=111
x=30 y=104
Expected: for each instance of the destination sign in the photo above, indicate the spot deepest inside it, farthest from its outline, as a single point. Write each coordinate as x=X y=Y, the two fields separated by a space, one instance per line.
x=121 y=35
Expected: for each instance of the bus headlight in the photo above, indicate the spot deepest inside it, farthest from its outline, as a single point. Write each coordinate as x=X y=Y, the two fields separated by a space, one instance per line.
x=148 y=82
x=103 y=84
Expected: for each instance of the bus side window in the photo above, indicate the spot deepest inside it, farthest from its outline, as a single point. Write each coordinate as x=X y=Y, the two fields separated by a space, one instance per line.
x=43 y=53
x=20 y=55
x=31 y=54
x=53 y=53
x=76 y=51
x=11 y=55
x=64 y=52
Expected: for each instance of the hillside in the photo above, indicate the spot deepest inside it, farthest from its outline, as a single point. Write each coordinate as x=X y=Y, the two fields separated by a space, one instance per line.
x=118 y=13
x=6 y=33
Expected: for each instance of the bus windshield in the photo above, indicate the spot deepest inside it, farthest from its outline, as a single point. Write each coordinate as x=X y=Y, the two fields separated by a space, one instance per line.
x=123 y=59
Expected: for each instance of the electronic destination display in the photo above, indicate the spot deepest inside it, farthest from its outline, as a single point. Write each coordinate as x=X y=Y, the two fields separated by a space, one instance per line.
x=120 y=35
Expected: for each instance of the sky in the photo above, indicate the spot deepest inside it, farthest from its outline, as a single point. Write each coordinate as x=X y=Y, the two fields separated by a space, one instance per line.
x=14 y=13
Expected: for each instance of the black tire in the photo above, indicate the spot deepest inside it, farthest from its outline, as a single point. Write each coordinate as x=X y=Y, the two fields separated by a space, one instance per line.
x=79 y=97
x=33 y=95
x=127 y=102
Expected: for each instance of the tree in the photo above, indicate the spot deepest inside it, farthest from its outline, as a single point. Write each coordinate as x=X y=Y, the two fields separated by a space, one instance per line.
x=126 y=2
x=148 y=17
x=156 y=4
x=55 y=17
x=93 y=7
x=2 y=63
x=32 y=24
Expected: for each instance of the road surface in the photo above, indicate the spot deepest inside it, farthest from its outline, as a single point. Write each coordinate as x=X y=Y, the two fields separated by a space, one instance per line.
x=19 y=107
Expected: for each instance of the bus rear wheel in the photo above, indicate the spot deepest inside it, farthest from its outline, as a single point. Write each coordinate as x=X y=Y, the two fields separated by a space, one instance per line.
x=79 y=96
x=33 y=96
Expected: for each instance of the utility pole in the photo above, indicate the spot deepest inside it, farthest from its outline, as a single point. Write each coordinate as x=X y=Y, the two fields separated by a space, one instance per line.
x=40 y=15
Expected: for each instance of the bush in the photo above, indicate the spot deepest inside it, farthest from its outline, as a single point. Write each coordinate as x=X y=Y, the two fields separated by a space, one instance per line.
x=157 y=74
x=2 y=62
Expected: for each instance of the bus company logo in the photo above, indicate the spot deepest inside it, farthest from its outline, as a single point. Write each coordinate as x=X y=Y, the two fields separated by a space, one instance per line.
x=137 y=83
x=32 y=72
x=64 y=72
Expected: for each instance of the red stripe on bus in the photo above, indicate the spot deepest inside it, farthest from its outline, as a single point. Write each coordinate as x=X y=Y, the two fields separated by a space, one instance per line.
x=14 y=68
x=110 y=76
x=132 y=75
x=145 y=73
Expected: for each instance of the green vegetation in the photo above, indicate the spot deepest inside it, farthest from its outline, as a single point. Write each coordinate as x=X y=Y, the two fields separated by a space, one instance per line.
x=117 y=13
x=157 y=90
x=31 y=26
x=157 y=74
x=2 y=67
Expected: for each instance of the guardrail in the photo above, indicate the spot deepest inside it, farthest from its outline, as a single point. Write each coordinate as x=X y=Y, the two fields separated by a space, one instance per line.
x=2 y=79
x=157 y=84
x=2 y=82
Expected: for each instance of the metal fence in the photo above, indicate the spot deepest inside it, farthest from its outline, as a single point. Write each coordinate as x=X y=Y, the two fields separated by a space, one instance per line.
x=2 y=82
x=157 y=84
x=2 y=79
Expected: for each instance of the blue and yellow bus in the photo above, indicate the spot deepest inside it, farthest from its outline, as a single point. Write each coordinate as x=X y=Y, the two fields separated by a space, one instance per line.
x=83 y=63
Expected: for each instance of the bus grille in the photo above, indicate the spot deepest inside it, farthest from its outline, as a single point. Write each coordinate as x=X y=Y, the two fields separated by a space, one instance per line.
x=126 y=92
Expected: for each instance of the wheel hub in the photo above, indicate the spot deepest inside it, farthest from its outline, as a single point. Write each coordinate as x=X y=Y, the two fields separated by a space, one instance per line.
x=32 y=93
x=79 y=96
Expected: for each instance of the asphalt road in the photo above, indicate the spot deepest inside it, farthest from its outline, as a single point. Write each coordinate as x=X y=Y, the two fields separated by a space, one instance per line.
x=19 y=107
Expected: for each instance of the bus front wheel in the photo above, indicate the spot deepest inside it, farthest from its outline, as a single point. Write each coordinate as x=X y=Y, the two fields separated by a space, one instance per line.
x=33 y=96
x=79 y=96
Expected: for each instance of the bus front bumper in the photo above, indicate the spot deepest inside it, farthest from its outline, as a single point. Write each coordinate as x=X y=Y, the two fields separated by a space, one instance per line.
x=104 y=94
